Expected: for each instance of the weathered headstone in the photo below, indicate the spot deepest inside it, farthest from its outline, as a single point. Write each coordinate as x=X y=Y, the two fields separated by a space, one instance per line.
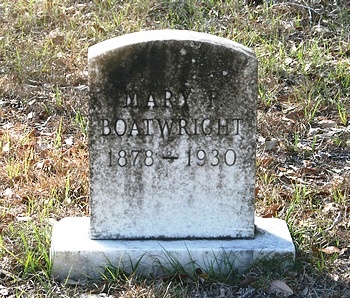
x=172 y=137
x=172 y=157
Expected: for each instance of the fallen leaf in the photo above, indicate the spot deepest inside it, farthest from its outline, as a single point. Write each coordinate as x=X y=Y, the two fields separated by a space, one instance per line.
x=99 y=289
x=329 y=207
x=51 y=221
x=175 y=277
x=270 y=145
x=343 y=250
x=257 y=191
x=309 y=170
x=56 y=37
x=8 y=193
x=337 y=220
x=30 y=115
x=320 y=29
x=247 y=282
x=294 y=116
x=266 y=161
x=271 y=211
x=6 y=147
x=330 y=250
x=288 y=61
x=69 y=141
x=327 y=123
x=281 y=287
x=305 y=291
x=3 y=291
x=307 y=163
x=222 y=293
x=98 y=28
x=201 y=274
x=23 y=218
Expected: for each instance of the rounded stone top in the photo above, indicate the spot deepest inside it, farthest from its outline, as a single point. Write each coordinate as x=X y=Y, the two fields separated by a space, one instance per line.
x=164 y=35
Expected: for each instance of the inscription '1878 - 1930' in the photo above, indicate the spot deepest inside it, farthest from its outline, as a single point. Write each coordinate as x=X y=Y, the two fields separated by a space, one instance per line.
x=137 y=157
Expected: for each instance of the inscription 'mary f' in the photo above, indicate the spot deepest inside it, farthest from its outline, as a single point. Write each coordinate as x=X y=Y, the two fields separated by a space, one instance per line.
x=169 y=100
x=172 y=137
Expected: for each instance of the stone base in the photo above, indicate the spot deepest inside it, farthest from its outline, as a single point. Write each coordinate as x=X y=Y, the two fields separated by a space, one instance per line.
x=76 y=257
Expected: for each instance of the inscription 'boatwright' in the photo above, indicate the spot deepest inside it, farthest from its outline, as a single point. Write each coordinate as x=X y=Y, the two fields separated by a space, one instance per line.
x=148 y=127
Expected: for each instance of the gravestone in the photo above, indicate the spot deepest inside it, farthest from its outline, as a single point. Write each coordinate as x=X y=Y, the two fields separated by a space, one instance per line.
x=172 y=137
x=172 y=157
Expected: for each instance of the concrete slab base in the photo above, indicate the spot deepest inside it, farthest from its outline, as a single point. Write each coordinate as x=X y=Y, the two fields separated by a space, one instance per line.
x=76 y=257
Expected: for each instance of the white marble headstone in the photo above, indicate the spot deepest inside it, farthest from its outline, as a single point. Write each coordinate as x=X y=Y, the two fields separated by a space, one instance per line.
x=172 y=137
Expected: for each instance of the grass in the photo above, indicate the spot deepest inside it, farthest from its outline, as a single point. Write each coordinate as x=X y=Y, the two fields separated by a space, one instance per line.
x=303 y=48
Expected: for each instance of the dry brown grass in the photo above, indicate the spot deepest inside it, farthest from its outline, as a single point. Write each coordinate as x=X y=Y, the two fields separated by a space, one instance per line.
x=303 y=159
